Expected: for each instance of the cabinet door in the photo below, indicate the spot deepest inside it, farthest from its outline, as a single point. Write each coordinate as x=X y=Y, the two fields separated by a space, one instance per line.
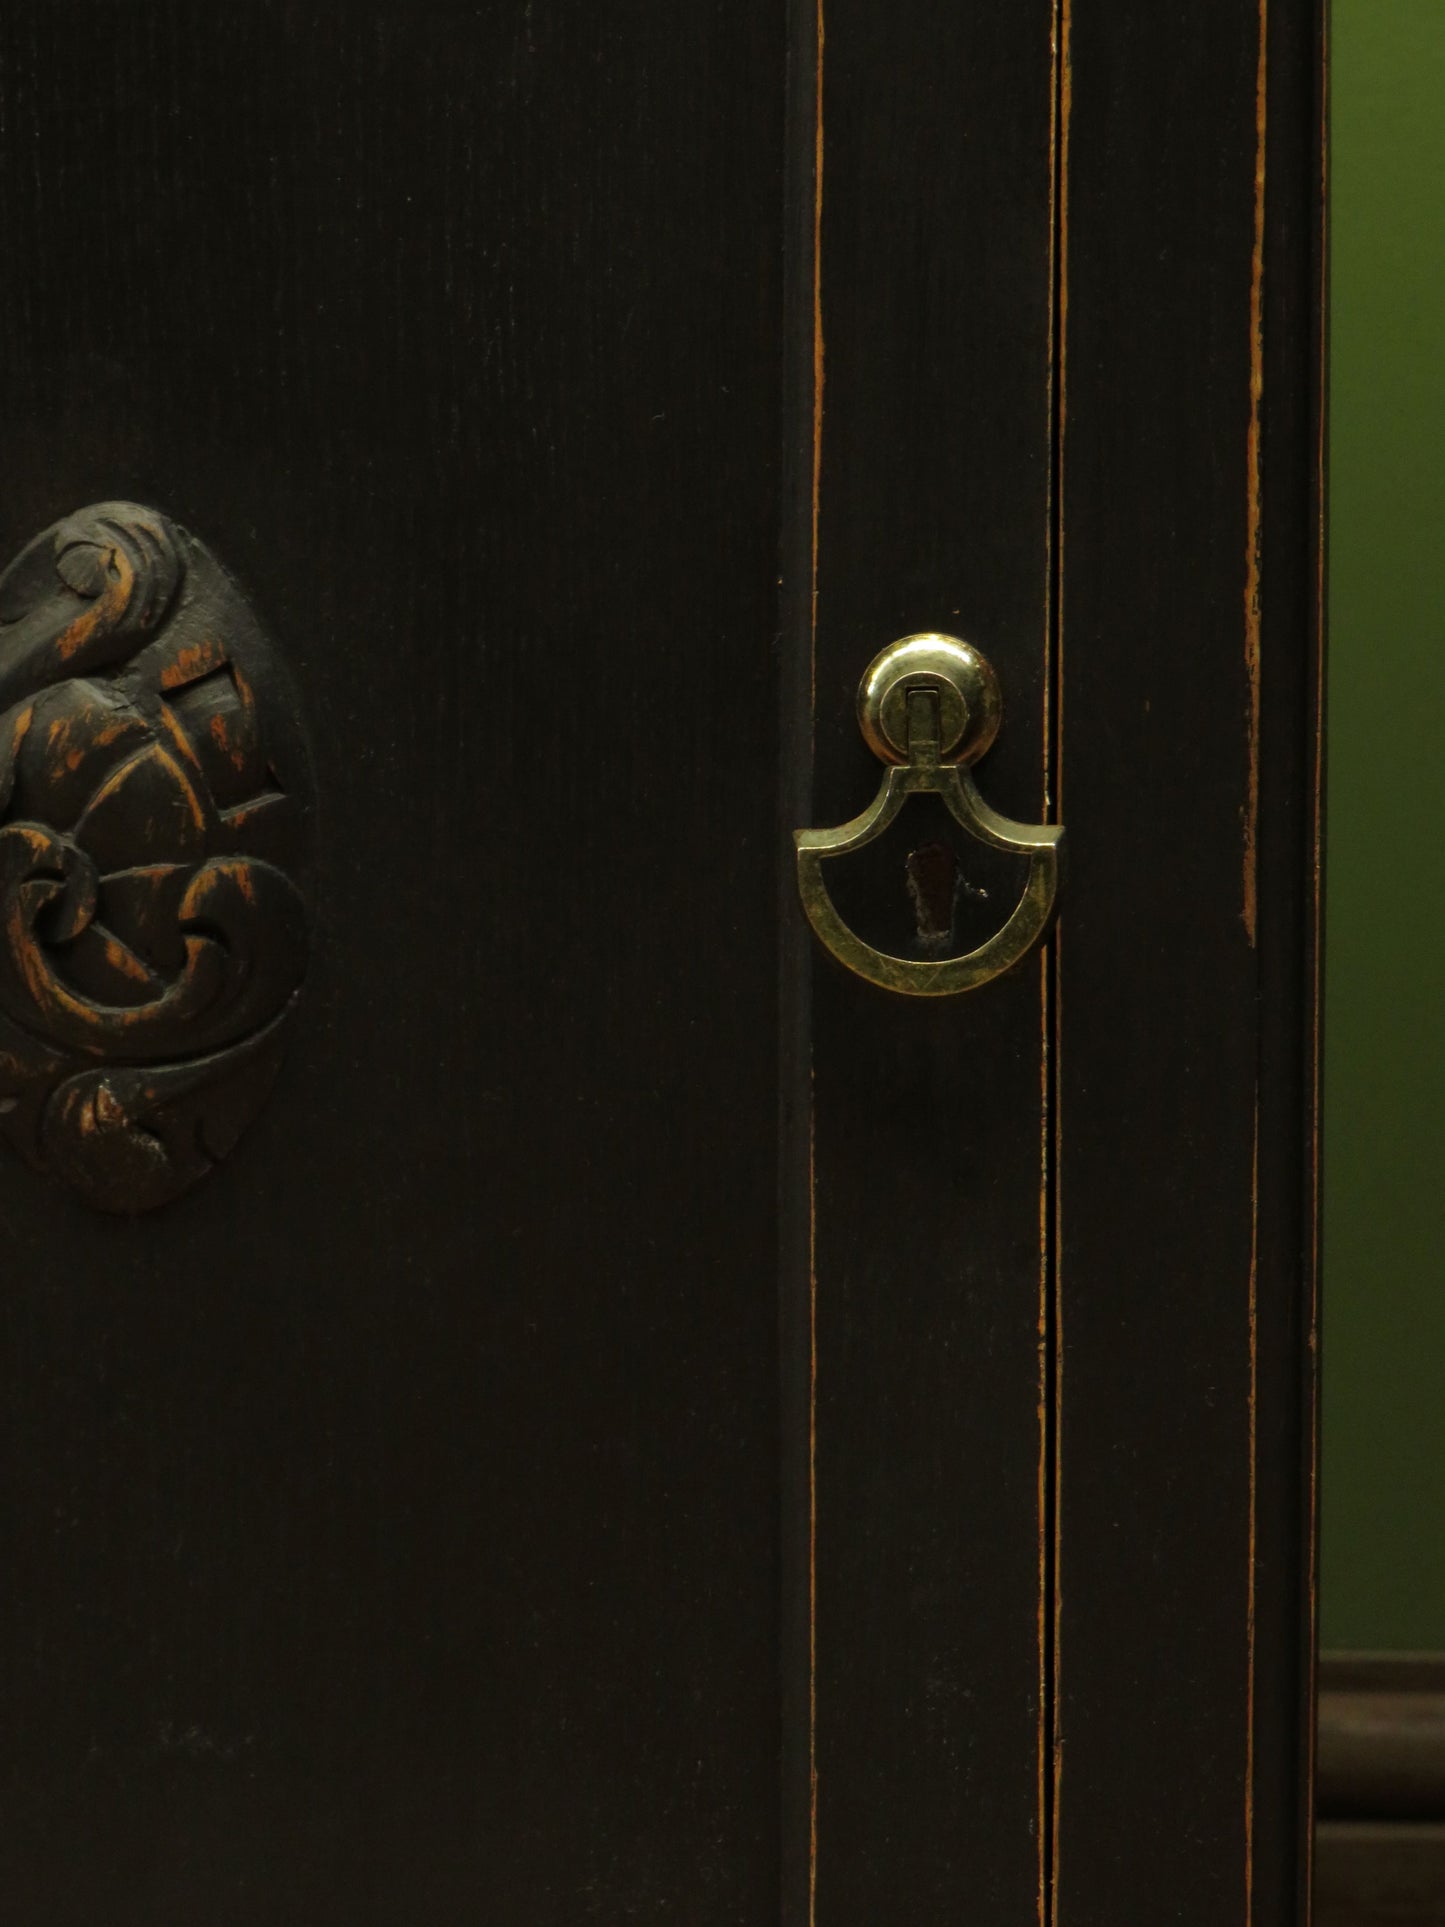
x=928 y=458
x=392 y=1517
x=568 y=1404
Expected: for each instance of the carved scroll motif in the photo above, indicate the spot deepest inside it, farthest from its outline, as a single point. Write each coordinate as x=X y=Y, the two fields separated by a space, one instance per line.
x=155 y=863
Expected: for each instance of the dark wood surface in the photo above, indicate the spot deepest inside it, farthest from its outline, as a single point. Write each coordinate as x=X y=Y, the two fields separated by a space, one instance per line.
x=391 y=1523
x=1382 y=1737
x=155 y=860
x=1380 y=1845
x=635 y=1430
x=1187 y=750
x=934 y=512
x=1379 y=1873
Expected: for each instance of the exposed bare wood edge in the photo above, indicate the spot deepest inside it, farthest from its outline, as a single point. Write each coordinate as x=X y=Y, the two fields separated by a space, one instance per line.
x=1382 y=1738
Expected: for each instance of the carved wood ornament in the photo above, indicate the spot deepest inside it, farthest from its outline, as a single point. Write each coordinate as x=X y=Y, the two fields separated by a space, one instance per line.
x=155 y=860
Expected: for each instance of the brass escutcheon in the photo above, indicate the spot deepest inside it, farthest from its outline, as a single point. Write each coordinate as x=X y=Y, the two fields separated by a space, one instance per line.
x=928 y=706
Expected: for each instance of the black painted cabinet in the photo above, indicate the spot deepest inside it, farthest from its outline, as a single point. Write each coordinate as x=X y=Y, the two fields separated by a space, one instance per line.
x=604 y=1415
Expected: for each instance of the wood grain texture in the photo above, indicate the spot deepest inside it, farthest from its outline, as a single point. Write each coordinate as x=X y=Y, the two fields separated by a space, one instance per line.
x=391 y=1527
x=1189 y=665
x=934 y=513
x=612 y=1387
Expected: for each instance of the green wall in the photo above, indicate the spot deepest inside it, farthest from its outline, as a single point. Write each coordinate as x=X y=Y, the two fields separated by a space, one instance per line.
x=1383 y=1580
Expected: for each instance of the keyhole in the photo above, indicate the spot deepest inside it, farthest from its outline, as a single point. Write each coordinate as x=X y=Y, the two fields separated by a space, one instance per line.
x=933 y=889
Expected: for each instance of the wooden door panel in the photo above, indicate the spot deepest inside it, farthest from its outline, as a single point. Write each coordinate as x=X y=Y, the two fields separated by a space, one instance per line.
x=392 y=1521
x=645 y=1425
x=933 y=512
x=1188 y=753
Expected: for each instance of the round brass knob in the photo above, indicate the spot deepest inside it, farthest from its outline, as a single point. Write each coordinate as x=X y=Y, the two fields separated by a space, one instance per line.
x=970 y=703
